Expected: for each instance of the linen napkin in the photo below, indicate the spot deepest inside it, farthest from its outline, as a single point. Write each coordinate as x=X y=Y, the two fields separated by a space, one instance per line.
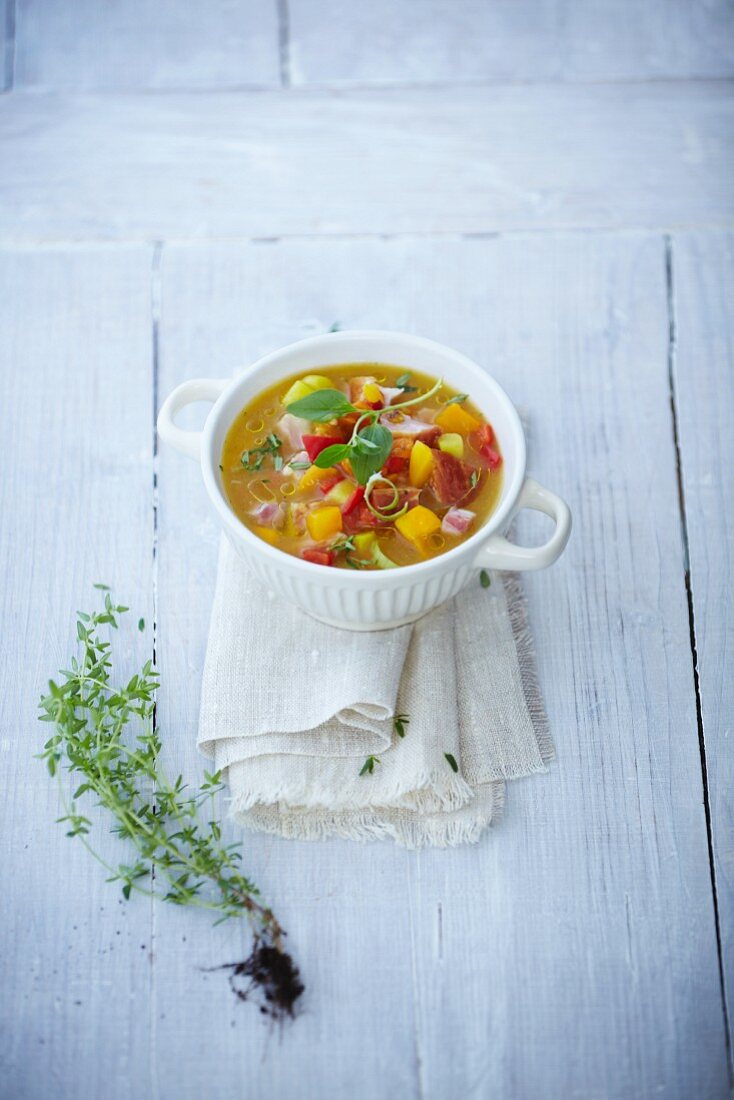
x=291 y=709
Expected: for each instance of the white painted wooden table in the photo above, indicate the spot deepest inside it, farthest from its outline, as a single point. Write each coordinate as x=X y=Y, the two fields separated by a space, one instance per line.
x=548 y=188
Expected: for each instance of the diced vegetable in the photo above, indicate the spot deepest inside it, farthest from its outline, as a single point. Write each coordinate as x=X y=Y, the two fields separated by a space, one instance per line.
x=318 y=382
x=340 y=493
x=483 y=440
x=418 y=524
x=315 y=444
x=318 y=557
x=324 y=523
x=328 y=483
x=295 y=519
x=268 y=533
x=354 y=500
x=455 y=419
x=364 y=541
x=295 y=392
x=452 y=443
x=313 y=476
x=304 y=386
x=381 y=560
x=372 y=394
x=421 y=464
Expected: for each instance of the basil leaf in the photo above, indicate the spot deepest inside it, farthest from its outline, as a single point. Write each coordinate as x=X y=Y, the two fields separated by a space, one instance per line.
x=364 y=465
x=458 y=399
x=330 y=455
x=321 y=405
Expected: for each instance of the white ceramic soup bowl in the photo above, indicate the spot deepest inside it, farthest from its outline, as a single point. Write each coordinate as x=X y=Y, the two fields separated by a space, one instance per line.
x=371 y=600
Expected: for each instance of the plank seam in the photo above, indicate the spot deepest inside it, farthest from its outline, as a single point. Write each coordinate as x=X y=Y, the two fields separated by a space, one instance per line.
x=9 y=53
x=284 y=43
x=155 y=314
x=19 y=244
x=673 y=397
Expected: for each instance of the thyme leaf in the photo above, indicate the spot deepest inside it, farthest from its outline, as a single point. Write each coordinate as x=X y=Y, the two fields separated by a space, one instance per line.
x=400 y=721
x=253 y=458
x=369 y=765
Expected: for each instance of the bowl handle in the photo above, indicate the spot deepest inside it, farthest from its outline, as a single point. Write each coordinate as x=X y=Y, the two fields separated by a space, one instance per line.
x=198 y=389
x=499 y=553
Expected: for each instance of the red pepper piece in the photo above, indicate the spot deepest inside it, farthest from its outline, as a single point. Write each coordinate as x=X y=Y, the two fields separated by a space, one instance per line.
x=354 y=500
x=483 y=440
x=329 y=482
x=395 y=465
x=318 y=557
x=315 y=444
x=484 y=436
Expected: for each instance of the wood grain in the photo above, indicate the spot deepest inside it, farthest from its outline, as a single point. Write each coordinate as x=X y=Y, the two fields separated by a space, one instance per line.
x=573 y=951
x=137 y=44
x=448 y=160
x=348 y=41
x=75 y=507
x=703 y=286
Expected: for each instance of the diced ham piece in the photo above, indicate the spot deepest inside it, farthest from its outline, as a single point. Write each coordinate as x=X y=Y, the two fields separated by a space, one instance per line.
x=450 y=480
x=269 y=514
x=457 y=521
x=389 y=393
x=289 y=429
x=296 y=471
x=411 y=427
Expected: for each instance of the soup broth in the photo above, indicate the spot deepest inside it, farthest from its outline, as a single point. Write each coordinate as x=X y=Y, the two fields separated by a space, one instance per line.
x=362 y=466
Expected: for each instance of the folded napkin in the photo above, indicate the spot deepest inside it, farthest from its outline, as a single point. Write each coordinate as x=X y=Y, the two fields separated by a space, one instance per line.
x=291 y=709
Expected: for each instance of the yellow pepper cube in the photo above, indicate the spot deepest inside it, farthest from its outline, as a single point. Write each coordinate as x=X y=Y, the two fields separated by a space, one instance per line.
x=319 y=382
x=296 y=392
x=324 y=523
x=313 y=475
x=421 y=464
x=452 y=444
x=302 y=387
x=267 y=533
x=418 y=524
x=371 y=392
x=455 y=419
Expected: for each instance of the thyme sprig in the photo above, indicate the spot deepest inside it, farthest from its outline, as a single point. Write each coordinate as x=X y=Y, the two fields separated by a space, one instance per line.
x=106 y=737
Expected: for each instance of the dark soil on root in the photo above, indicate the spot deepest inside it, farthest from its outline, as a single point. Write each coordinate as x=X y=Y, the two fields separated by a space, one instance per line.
x=269 y=978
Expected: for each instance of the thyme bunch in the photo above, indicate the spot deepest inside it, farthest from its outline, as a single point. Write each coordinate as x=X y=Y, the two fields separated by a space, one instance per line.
x=106 y=737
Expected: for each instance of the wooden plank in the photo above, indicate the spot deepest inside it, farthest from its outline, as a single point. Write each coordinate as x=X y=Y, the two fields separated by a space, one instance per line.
x=7 y=33
x=573 y=951
x=137 y=44
x=75 y=508
x=468 y=40
x=703 y=284
x=434 y=160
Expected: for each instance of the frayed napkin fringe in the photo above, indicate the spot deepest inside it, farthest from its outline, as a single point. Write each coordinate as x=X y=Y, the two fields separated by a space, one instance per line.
x=429 y=792
x=517 y=607
x=409 y=831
